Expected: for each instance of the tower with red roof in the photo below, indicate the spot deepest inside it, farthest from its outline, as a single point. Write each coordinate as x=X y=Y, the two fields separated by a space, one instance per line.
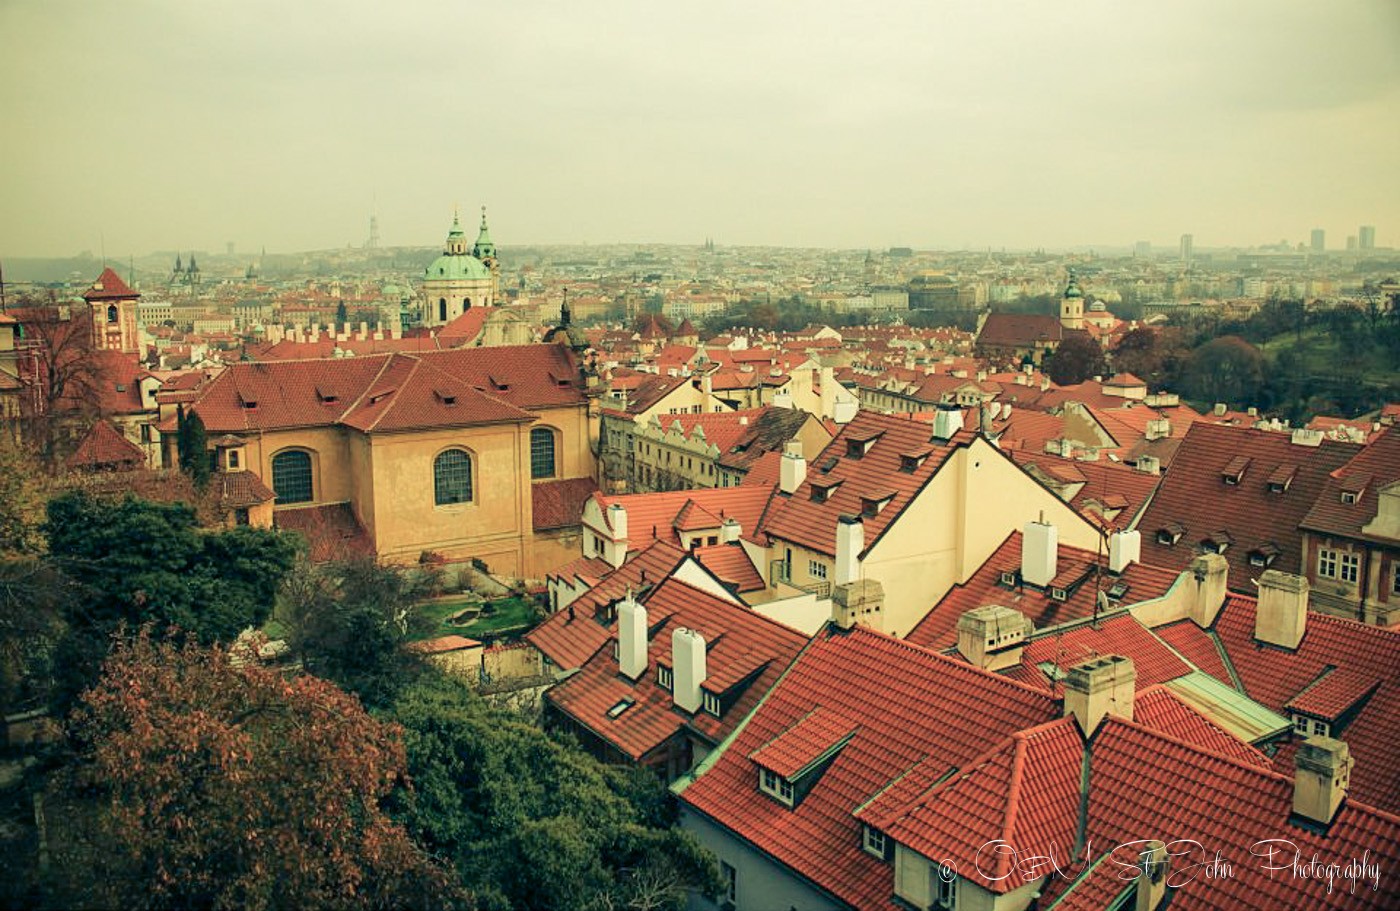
x=113 y=304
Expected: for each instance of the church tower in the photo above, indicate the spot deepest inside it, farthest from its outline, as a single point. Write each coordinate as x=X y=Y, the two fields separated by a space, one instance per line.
x=1072 y=305
x=458 y=280
x=485 y=251
x=113 y=306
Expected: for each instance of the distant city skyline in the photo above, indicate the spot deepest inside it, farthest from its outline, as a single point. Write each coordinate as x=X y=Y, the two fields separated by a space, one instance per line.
x=946 y=125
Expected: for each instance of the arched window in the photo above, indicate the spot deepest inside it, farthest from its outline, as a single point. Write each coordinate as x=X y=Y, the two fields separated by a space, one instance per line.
x=452 y=478
x=442 y=309
x=542 y=453
x=291 y=476
x=466 y=304
x=111 y=313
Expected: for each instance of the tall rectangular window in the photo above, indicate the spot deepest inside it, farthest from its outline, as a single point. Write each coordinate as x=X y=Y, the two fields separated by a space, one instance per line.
x=1327 y=563
x=541 y=453
x=1349 y=567
x=291 y=476
x=452 y=478
x=730 y=878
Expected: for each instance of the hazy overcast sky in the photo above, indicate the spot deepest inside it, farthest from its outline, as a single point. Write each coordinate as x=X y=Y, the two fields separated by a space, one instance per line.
x=148 y=125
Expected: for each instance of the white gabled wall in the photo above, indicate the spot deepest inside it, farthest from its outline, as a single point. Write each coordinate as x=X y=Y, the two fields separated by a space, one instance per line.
x=954 y=524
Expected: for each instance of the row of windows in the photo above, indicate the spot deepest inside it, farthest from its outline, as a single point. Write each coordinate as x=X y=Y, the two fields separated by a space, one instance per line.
x=452 y=471
x=1339 y=565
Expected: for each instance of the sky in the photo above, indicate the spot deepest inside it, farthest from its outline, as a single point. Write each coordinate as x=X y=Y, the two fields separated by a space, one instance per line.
x=135 y=126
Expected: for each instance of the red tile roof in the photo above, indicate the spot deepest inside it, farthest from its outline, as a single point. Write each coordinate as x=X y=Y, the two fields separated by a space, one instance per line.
x=1333 y=693
x=392 y=391
x=745 y=654
x=332 y=532
x=731 y=564
x=654 y=516
x=1362 y=478
x=109 y=286
x=569 y=636
x=104 y=447
x=812 y=524
x=559 y=504
x=1194 y=495
x=1147 y=784
x=443 y=644
x=1158 y=708
x=885 y=684
x=939 y=628
x=1019 y=330
x=812 y=737
x=1274 y=677
x=241 y=489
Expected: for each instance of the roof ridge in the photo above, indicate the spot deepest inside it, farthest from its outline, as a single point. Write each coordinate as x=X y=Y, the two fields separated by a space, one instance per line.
x=1268 y=771
x=393 y=394
x=1011 y=806
x=364 y=392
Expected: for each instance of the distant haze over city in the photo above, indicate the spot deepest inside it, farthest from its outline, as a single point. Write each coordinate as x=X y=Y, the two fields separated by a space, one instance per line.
x=175 y=126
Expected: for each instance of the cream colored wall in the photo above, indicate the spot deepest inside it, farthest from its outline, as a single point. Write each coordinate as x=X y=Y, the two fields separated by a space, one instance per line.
x=332 y=480
x=950 y=529
x=495 y=526
x=572 y=449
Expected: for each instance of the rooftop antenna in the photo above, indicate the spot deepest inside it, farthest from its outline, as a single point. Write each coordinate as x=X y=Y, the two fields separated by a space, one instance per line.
x=2 y=287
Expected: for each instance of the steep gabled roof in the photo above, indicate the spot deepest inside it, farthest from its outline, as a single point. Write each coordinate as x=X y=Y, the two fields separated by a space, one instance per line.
x=655 y=516
x=1019 y=330
x=866 y=459
x=104 y=447
x=744 y=650
x=1361 y=479
x=109 y=286
x=885 y=685
x=1196 y=496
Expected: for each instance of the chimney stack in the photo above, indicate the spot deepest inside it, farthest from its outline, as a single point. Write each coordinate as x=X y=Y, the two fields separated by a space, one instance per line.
x=1124 y=548
x=1322 y=775
x=858 y=602
x=729 y=531
x=1153 y=861
x=793 y=469
x=850 y=541
x=1281 y=616
x=631 y=638
x=947 y=422
x=1209 y=575
x=1040 y=553
x=615 y=548
x=1097 y=687
x=688 y=666
x=1149 y=465
x=993 y=637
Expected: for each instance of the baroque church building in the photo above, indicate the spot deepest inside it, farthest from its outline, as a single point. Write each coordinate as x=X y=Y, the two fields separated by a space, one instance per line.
x=462 y=277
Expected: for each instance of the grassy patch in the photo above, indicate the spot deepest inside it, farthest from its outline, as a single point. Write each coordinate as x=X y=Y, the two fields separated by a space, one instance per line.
x=495 y=615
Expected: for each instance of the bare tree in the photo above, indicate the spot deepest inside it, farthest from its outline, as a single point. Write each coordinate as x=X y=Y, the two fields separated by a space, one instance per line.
x=63 y=371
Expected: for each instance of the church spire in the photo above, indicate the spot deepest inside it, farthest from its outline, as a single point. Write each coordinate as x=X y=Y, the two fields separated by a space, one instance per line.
x=484 y=248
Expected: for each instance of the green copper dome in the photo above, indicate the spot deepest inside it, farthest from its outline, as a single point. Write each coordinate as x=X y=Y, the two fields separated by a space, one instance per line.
x=456 y=267
x=1073 y=289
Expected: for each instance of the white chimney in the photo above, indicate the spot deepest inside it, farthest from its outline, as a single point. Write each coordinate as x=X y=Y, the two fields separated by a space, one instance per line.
x=844 y=411
x=707 y=387
x=850 y=541
x=1281 y=616
x=1040 y=553
x=615 y=548
x=792 y=469
x=1097 y=687
x=729 y=531
x=631 y=638
x=993 y=410
x=947 y=422
x=1149 y=465
x=688 y=666
x=1124 y=548
x=1322 y=775
x=1006 y=411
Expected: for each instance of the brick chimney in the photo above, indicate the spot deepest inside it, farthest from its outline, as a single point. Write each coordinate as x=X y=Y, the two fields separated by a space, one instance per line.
x=1097 y=687
x=1282 y=615
x=993 y=637
x=793 y=469
x=688 y=666
x=631 y=638
x=1040 y=551
x=1207 y=577
x=1124 y=548
x=861 y=601
x=1322 y=774
x=850 y=541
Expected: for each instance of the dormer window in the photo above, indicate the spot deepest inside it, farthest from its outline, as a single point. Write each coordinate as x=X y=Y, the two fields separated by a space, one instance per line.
x=873 y=504
x=874 y=842
x=1264 y=555
x=1008 y=578
x=1169 y=534
x=1234 y=471
x=1217 y=543
x=712 y=704
x=857 y=447
x=822 y=492
x=1059 y=594
x=775 y=786
x=664 y=677
x=447 y=398
x=1352 y=489
x=1349 y=497
x=1281 y=478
